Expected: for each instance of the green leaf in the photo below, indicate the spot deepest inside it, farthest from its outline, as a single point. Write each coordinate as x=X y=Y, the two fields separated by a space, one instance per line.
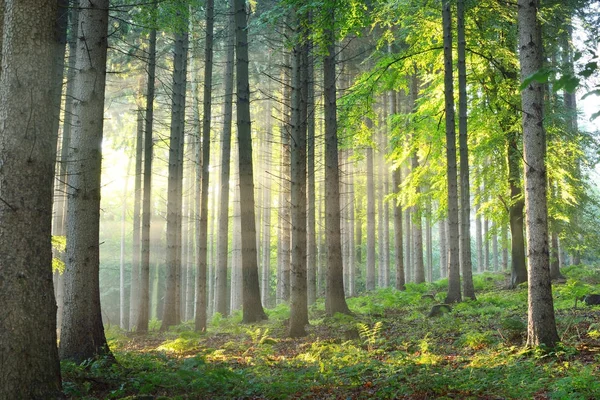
x=591 y=93
x=595 y=115
x=541 y=76
x=567 y=82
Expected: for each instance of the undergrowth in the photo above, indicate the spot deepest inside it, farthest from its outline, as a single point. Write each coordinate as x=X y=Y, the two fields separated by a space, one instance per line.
x=388 y=348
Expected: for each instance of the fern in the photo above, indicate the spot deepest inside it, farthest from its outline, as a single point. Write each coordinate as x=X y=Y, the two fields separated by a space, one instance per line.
x=369 y=335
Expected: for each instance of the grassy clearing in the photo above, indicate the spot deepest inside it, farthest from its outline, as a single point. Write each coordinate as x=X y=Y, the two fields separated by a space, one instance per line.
x=388 y=349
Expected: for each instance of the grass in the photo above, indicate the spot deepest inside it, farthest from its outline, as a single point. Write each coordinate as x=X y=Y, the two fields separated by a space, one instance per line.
x=388 y=349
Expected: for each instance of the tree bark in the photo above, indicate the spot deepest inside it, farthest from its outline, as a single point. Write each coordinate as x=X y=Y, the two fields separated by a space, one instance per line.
x=29 y=366
x=82 y=334
x=398 y=250
x=335 y=300
x=454 y=294
x=465 y=196
x=370 y=284
x=252 y=307
x=541 y=325
x=515 y=212
x=144 y=284
x=171 y=314
x=223 y=235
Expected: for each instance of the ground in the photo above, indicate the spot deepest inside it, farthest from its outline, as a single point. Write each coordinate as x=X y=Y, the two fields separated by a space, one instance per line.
x=388 y=349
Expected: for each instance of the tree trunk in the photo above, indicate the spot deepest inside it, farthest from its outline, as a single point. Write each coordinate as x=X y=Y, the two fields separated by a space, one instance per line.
x=123 y=305
x=454 y=294
x=252 y=307
x=478 y=239
x=144 y=284
x=298 y=278
x=334 y=295
x=541 y=325
x=443 y=226
x=504 y=243
x=370 y=284
x=310 y=189
x=223 y=235
x=29 y=366
x=136 y=243
x=82 y=334
x=174 y=195
x=202 y=242
x=518 y=268
x=398 y=250
x=465 y=196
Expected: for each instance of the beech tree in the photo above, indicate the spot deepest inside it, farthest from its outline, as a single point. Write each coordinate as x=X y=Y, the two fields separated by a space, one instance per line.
x=29 y=365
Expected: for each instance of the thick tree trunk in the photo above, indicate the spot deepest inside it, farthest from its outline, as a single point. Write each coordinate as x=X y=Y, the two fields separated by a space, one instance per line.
x=82 y=334
x=454 y=293
x=144 y=278
x=334 y=295
x=29 y=367
x=252 y=307
x=541 y=325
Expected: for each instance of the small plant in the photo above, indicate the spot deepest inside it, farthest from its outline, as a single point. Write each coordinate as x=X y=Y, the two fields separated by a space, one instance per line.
x=476 y=340
x=369 y=335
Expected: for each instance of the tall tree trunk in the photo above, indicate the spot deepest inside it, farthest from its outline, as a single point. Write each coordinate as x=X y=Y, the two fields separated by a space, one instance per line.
x=82 y=334
x=252 y=307
x=541 y=325
x=465 y=196
x=486 y=244
x=202 y=242
x=61 y=181
x=29 y=366
x=298 y=278
x=478 y=239
x=144 y=284
x=174 y=196
x=265 y=287
x=334 y=295
x=454 y=294
x=504 y=243
x=223 y=235
x=236 y=253
x=311 y=237
x=137 y=202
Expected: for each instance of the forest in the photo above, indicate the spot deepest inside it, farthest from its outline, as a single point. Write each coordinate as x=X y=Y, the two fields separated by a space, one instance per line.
x=286 y=199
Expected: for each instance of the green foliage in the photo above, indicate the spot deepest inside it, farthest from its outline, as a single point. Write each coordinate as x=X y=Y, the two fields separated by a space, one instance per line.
x=369 y=335
x=59 y=246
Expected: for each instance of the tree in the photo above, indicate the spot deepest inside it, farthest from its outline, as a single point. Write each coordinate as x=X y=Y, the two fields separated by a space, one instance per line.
x=452 y=229
x=223 y=235
x=541 y=325
x=29 y=366
x=202 y=241
x=299 y=276
x=171 y=315
x=252 y=306
x=335 y=300
x=465 y=196
x=144 y=278
x=82 y=334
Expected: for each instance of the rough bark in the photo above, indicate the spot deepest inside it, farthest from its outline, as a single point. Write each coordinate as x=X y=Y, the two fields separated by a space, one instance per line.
x=82 y=334
x=29 y=366
x=541 y=325
x=252 y=307
x=398 y=237
x=311 y=236
x=454 y=293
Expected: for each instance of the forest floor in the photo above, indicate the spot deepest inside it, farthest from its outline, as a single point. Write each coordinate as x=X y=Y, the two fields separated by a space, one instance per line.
x=388 y=349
